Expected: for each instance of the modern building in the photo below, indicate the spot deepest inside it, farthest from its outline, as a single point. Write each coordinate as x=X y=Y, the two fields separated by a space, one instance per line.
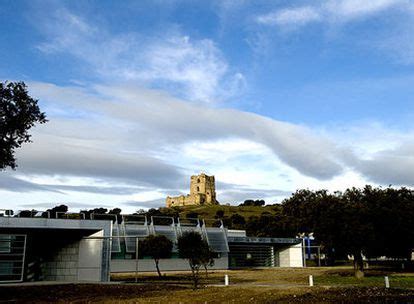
x=202 y=192
x=33 y=249
x=72 y=248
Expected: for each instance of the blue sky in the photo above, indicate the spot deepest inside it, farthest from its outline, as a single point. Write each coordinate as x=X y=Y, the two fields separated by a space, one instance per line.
x=269 y=96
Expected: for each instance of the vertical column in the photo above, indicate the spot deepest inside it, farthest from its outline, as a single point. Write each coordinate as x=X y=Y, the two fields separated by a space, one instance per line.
x=92 y=259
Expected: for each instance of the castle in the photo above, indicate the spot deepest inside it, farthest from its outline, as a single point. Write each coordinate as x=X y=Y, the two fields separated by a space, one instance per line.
x=202 y=192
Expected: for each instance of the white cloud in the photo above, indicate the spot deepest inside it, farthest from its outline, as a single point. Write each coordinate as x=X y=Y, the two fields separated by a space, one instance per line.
x=190 y=68
x=351 y=9
x=290 y=16
x=165 y=125
x=196 y=65
x=161 y=121
x=131 y=141
x=332 y=11
x=146 y=143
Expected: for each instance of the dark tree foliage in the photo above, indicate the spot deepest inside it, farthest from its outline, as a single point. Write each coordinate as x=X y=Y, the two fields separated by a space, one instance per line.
x=94 y=211
x=237 y=221
x=192 y=247
x=160 y=213
x=157 y=247
x=171 y=212
x=117 y=213
x=26 y=213
x=253 y=203
x=219 y=214
x=140 y=212
x=49 y=212
x=154 y=212
x=60 y=208
x=18 y=114
x=192 y=214
x=372 y=222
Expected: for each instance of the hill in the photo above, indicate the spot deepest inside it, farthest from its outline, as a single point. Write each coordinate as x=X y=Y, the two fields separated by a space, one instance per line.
x=211 y=211
x=256 y=220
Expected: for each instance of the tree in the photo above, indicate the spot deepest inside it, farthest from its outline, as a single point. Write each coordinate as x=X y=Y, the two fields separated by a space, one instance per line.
x=341 y=222
x=26 y=213
x=251 y=202
x=117 y=213
x=358 y=229
x=158 y=247
x=237 y=220
x=192 y=215
x=219 y=214
x=18 y=113
x=193 y=248
x=89 y=212
x=56 y=209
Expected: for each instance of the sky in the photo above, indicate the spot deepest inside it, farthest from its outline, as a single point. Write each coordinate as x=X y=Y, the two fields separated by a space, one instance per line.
x=267 y=96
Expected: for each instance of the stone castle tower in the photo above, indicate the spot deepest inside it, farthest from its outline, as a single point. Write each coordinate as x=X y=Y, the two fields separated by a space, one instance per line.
x=202 y=192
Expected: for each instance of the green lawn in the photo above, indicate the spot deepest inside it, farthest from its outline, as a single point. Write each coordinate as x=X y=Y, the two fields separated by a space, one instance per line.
x=396 y=280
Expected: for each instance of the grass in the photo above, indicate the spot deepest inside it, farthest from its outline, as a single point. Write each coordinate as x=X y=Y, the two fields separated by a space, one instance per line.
x=277 y=285
x=397 y=280
x=287 y=285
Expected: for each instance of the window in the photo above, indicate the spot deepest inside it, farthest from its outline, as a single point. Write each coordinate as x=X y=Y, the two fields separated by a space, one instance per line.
x=198 y=188
x=5 y=243
x=198 y=180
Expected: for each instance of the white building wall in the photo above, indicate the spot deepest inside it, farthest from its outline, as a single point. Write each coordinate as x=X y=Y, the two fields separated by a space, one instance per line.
x=90 y=258
x=291 y=256
x=146 y=265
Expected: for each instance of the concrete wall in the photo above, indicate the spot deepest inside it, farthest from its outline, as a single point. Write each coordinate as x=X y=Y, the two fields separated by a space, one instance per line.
x=291 y=256
x=63 y=266
x=91 y=260
x=78 y=261
x=165 y=265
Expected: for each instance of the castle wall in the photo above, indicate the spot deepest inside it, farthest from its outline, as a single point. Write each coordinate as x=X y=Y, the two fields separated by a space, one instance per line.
x=202 y=192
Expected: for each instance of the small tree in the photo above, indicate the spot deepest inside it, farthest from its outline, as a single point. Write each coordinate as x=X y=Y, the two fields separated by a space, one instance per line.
x=18 y=113
x=158 y=247
x=207 y=260
x=219 y=214
x=193 y=248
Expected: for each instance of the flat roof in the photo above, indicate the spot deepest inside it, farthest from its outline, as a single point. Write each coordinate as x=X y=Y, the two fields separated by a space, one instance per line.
x=47 y=223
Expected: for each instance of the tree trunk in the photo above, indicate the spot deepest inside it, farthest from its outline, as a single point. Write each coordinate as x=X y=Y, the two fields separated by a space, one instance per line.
x=158 y=268
x=195 y=276
x=358 y=265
